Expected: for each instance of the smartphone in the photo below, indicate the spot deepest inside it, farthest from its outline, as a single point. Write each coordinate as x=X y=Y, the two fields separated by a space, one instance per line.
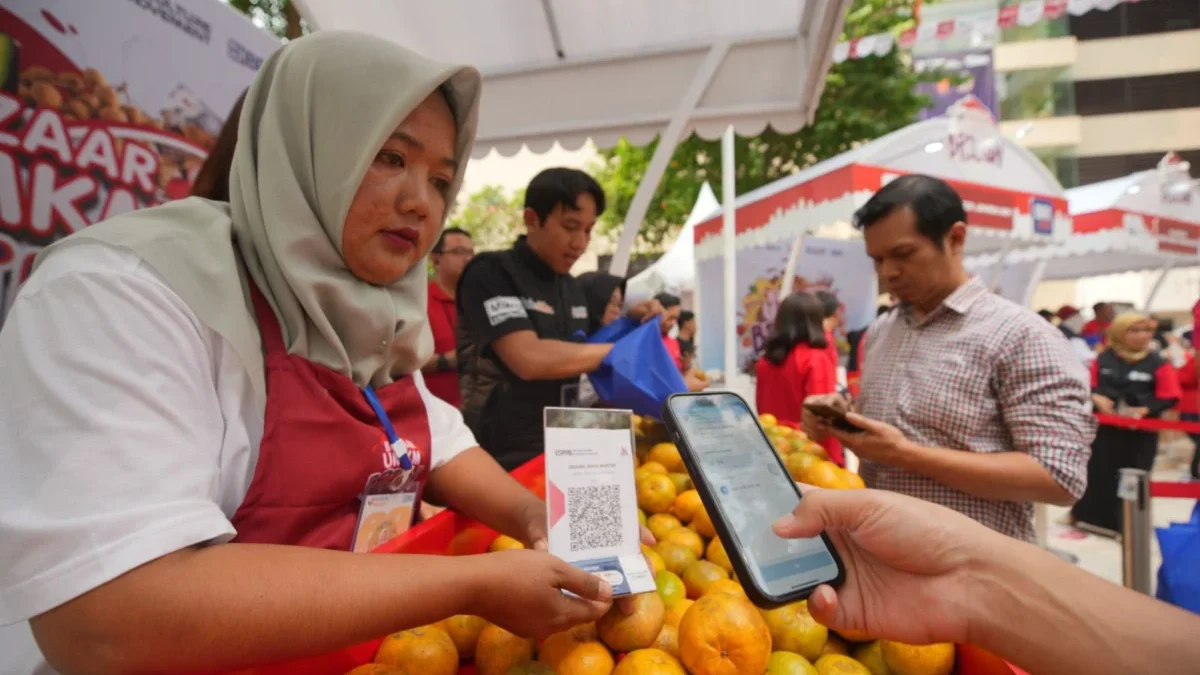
x=745 y=487
x=835 y=417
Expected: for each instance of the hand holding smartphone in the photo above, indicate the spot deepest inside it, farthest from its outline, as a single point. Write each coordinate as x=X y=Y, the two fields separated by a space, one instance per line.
x=833 y=414
x=745 y=487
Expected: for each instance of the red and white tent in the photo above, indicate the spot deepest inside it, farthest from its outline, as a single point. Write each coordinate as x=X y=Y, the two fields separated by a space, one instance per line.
x=1146 y=221
x=1012 y=202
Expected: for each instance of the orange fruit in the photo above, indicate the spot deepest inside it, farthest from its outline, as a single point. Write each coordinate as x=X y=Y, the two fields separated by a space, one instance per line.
x=689 y=538
x=726 y=586
x=722 y=634
x=799 y=462
x=531 y=668
x=587 y=658
x=835 y=645
x=559 y=644
x=853 y=480
x=840 y=664
x=641 y=517
x=815 y=448
x=505 y=543
x=649 y=662
x=670 y=587
x=660 y=524
x=854 y=635
x=782 y=444
x=676 y=556
x=793 y=629
x=375 y=669
x=715 y=553
x=656 y=562
x=935 y=659
x=667 y=455
x=676 y=611
x=653 y=467
x=822 y=474
x=427 y=649
x=871 y=656
x=700 y=576
x=686 y=505
x=767 y=420
x=655 y=493
x=682 y=481
x=667 y=640
x=636 y=631
x=703 y=525
x=464 y=630
x=787 y=663
x=499 y=651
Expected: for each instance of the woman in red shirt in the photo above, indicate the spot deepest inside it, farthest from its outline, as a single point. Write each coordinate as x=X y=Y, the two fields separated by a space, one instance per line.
x=1189 y=405
x=795 y=364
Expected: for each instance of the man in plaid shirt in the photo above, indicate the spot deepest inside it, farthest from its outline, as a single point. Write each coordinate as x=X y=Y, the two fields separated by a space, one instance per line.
x=967 y=399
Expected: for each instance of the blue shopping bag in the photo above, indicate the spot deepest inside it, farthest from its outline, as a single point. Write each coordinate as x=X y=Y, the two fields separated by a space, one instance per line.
x=638 y=373
x=1179 y=574
x=614 y=331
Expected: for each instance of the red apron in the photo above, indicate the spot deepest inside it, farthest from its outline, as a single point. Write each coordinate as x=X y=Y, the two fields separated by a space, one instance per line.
x=321 y=442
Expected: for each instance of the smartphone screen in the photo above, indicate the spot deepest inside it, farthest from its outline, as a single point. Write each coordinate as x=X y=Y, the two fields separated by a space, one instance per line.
x=751 y=489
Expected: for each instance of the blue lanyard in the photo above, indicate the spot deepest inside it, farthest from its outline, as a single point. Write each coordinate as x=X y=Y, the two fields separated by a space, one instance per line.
x=386 y=422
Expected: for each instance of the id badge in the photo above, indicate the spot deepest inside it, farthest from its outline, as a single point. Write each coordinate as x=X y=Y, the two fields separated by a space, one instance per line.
x=390 y=503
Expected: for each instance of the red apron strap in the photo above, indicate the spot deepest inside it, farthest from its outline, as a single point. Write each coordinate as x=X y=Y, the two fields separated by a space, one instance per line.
x=268 y=325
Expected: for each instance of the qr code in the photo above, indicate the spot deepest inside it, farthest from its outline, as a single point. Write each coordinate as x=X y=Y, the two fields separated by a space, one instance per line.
x=594 y=513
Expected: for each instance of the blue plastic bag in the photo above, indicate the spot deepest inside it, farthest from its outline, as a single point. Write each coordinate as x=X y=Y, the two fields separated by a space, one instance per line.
x=614 y=331
x=1179 y=574
x=638 y=373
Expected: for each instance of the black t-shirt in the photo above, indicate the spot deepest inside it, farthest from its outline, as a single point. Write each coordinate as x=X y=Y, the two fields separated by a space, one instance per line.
x=502 y=292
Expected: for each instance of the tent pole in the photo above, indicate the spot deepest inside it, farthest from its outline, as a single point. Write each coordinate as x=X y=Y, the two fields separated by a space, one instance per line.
x=1162 y=276
x=667 y=141
x=1035 y=278
x=729 y=232
x=998 y=269
x=789 y=271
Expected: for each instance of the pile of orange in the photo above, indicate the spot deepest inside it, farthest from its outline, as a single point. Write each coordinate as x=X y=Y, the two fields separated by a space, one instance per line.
x=699 y=621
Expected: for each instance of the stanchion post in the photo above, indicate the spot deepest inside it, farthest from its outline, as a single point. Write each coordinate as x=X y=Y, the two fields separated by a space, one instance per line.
x=1134 y=491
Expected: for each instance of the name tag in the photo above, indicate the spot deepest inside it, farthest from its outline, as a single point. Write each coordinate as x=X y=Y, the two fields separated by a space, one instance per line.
x=578 y=312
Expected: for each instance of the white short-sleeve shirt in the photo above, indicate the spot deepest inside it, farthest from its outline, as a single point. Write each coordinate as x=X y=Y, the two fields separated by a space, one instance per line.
x=128 y=430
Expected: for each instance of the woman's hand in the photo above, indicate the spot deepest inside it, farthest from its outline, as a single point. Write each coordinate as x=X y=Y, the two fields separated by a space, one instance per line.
x=522 y=592
x=1138 y=413
x=1104 y=405
x=908 y=563
x=693 y=382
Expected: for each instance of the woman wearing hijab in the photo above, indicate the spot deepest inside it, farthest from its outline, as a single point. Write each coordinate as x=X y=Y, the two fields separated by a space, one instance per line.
x=197 y=395
x=1132 y=380
x=605 y=296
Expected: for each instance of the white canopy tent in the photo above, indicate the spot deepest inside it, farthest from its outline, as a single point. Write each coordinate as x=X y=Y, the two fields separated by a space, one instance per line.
x=1146 y=221
x=675 y=270
x=565 y=71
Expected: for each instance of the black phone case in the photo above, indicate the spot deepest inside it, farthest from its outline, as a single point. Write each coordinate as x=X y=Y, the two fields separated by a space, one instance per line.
x=759 y=596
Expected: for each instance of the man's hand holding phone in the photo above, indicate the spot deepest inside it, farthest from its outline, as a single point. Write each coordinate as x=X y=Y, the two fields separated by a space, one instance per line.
x=829 y=415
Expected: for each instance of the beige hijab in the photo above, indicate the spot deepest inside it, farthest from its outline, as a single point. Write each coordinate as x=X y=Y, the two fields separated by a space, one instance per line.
x=315 y=116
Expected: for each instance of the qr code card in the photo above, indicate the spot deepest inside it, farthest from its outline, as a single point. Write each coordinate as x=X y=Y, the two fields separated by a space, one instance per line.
x=591 y=501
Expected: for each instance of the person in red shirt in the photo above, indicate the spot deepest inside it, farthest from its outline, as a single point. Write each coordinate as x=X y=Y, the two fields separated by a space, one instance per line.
x=1098 y=326
x=1189 y=405
x=453 y=250
x=672 y=306
x=795 y=363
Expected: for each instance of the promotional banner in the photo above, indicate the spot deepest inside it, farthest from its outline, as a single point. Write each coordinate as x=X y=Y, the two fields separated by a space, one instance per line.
x=841 y=267
x=974 y=71
x=107 y=106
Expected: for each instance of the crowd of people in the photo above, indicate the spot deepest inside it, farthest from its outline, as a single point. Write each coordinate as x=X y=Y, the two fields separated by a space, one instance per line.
x=208 y=388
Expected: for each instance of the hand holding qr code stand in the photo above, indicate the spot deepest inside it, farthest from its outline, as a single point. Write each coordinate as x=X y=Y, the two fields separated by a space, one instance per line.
x=591 y=500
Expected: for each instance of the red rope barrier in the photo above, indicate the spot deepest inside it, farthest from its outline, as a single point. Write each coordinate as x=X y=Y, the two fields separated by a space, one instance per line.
x=1148 y=424
x=1175 y=490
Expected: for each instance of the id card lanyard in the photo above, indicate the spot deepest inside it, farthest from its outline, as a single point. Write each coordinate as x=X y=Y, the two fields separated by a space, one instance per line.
x=390 y=498
x=388 y=429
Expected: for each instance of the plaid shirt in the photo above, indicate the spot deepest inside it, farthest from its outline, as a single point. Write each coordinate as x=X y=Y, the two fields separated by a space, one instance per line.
x=978 y=374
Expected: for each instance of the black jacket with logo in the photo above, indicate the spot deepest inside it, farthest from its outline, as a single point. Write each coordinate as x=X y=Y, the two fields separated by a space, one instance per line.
x=502 y=292
x=1138 y=385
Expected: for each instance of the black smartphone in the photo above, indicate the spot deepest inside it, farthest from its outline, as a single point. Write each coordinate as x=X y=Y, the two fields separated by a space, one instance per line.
x=745 y=487
x=834 y=416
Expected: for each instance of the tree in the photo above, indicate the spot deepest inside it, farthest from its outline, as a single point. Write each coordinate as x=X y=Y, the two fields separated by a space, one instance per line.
x=863 y=100
x=492 y=217
x=278 y=16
